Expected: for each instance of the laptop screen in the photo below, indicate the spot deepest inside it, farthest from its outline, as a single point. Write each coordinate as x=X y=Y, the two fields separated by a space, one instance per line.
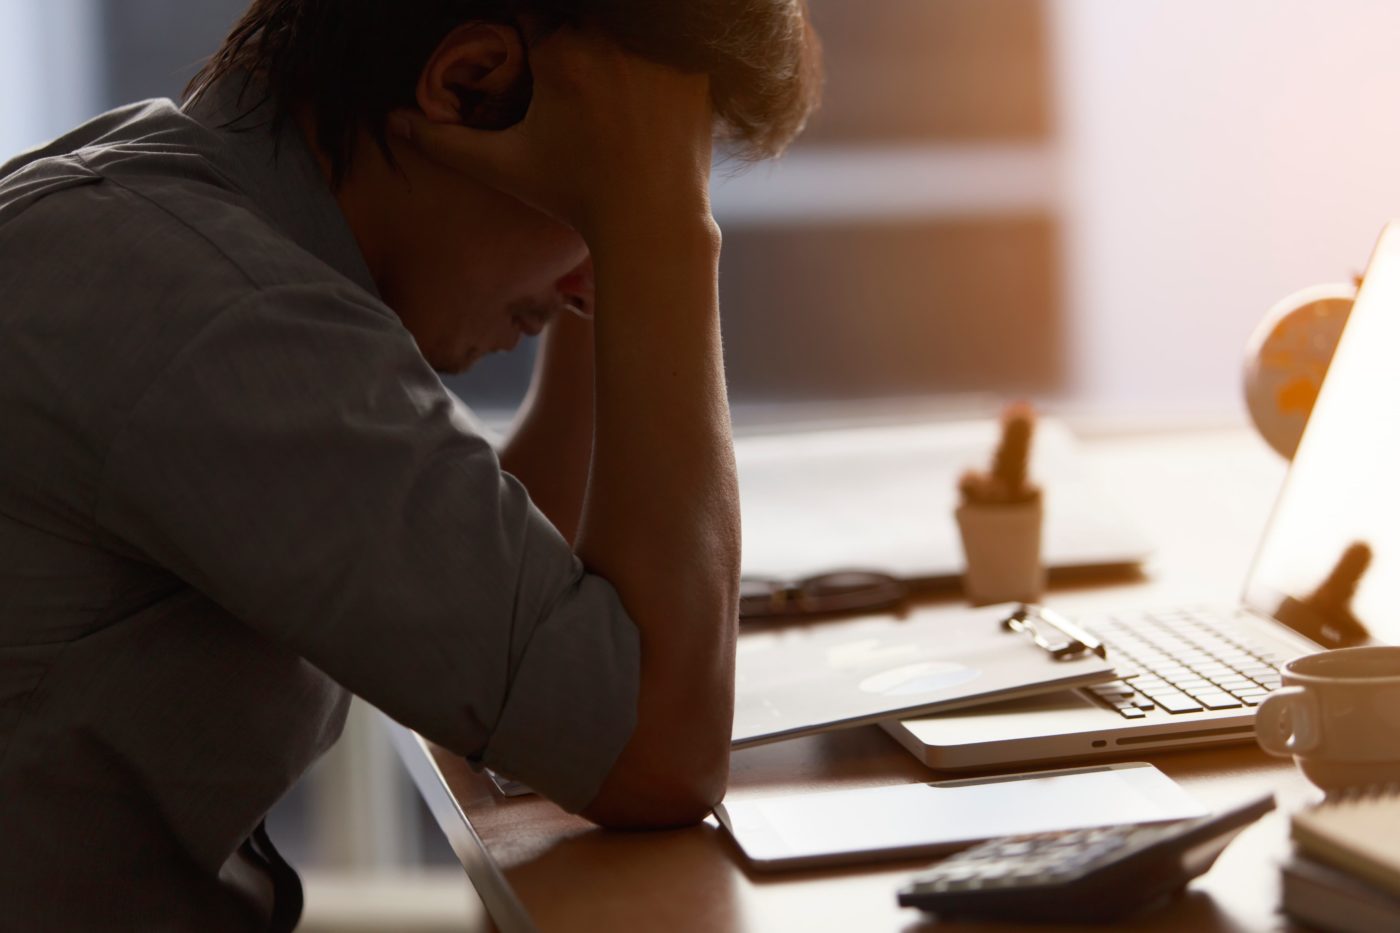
x=1329 y=563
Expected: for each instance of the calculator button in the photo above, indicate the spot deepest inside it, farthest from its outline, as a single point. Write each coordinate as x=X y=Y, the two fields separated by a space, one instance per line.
x=953 y=874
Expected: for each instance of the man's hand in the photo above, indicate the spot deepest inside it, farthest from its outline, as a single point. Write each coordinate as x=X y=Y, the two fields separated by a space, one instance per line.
x=611 y=142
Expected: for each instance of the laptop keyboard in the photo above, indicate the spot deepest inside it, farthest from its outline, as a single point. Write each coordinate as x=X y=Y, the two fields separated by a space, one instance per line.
x=1183 y=661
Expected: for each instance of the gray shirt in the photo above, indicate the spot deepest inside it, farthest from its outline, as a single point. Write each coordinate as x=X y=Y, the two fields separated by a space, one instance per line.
x=232 y=490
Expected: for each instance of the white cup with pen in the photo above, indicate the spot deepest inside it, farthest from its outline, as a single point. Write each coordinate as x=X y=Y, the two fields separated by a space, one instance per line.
x=1000 y=519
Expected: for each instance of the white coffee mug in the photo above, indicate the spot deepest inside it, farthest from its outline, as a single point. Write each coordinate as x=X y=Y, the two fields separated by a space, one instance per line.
x=1338 y=716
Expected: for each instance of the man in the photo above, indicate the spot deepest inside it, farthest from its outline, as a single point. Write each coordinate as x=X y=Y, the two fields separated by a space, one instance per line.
x=233 y=487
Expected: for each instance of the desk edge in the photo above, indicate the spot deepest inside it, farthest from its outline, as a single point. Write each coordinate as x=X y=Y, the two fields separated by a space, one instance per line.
x=505 y=909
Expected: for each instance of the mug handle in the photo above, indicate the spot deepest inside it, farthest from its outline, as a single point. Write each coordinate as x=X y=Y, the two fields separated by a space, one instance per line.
x=1300 y=736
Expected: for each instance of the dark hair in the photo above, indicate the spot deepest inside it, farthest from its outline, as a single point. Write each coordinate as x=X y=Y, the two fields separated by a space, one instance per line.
x=352 y=62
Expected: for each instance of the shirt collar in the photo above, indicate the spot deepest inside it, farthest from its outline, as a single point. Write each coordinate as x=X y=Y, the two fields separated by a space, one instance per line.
x=277 y=170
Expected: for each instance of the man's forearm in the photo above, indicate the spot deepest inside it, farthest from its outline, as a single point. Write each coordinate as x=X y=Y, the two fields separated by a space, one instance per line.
x=660 y=517
x=552 y=443
x=619 y=148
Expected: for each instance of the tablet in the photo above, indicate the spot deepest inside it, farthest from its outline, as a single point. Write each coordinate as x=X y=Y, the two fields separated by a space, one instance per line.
x=903 y=820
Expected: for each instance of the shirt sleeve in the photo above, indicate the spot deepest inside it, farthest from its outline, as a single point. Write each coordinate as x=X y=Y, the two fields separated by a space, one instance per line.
x=301 y=465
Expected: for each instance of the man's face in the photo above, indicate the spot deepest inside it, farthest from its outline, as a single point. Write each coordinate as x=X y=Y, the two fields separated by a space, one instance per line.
x=473 y=270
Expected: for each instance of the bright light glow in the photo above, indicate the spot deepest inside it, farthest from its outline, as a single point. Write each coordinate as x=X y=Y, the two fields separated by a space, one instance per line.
x=1218 y=156
x=1341 y=489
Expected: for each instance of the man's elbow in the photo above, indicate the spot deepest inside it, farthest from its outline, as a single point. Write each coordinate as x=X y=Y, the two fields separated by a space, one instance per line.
x=659 y=800
x=675 y=768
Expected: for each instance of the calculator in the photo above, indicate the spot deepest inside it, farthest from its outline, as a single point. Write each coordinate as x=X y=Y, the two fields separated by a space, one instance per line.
x=1078 y=875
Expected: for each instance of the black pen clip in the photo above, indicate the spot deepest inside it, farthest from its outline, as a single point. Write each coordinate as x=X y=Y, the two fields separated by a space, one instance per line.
x=1059 y=636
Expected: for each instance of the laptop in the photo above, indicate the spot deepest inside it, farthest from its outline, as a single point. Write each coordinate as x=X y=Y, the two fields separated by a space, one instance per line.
x=1192 y=676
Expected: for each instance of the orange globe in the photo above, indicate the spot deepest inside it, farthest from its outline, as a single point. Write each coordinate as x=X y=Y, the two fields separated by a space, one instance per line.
x=1287 y=358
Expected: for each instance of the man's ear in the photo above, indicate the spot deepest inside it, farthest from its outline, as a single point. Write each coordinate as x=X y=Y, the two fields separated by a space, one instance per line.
x=479 y=76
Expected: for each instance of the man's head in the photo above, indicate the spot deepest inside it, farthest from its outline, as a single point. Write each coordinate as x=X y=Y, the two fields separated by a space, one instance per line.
x=467 y=267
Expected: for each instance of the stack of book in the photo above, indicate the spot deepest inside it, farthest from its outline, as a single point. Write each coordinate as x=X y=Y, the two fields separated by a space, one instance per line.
x=1344 y=874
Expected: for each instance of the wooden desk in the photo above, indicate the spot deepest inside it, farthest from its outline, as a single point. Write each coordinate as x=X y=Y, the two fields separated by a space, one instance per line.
x=1202 y=495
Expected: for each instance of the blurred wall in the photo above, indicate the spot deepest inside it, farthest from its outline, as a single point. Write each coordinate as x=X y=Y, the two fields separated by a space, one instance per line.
x=1214 y=157
x=49 y=62
x=908 y=244
x=153 y=47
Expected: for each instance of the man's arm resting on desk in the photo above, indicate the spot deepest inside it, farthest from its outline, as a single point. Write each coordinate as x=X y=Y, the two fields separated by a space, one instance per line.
x=551 y=449
x=661 y=522
x=624 y=158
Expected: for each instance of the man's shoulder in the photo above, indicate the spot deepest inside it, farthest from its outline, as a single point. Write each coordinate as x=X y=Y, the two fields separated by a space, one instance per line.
x=35 y=181
x=144 y=231
x=113 y=261
x=119 y=268
x=143 y=193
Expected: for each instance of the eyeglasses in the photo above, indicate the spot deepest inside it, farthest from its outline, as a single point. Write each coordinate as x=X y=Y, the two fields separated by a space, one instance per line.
x=825 y=594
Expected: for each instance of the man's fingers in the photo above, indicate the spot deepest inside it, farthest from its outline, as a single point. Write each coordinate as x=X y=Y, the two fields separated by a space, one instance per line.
x=481 y=153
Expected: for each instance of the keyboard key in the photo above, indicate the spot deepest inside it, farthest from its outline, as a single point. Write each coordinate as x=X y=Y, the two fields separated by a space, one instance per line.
x=1185 y=660
x=1178 y=703
x=1217 y=701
